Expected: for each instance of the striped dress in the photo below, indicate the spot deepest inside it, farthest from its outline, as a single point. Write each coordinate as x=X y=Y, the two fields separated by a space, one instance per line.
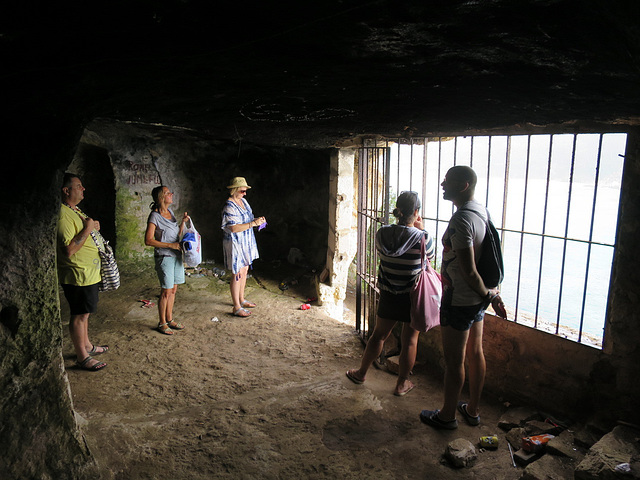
x=240 y=248
x=398 y=247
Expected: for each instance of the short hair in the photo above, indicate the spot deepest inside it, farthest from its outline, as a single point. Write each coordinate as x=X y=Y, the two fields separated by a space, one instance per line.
x=66 y=180
x=464 y=174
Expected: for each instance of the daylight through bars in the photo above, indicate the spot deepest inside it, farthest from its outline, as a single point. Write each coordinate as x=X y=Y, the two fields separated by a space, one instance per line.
x=555 y=201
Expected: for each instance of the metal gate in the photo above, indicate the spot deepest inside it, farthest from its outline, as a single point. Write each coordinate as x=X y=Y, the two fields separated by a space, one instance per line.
x=373 y=212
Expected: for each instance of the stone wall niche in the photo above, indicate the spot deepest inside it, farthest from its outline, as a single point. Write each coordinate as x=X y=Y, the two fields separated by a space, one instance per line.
x=290 y=187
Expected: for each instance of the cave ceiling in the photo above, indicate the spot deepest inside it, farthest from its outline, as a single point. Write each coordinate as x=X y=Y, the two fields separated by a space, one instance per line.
x=316 y=73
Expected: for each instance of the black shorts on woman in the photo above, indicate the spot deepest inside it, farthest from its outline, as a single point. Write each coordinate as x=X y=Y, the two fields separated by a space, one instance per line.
x=394 y=306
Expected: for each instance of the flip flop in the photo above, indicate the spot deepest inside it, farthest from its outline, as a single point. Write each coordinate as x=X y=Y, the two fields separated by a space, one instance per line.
x=402 y=394
x=147 y=303
x=242 y=312
x=93 y=368
x=248 y=304
x=353 y=378
x=93 y=351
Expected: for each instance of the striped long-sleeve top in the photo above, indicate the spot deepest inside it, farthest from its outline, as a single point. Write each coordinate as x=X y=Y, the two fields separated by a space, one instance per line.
x=399 y=249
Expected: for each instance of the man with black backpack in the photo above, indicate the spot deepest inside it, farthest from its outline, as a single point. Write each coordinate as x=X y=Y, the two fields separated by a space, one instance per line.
x=471 y=272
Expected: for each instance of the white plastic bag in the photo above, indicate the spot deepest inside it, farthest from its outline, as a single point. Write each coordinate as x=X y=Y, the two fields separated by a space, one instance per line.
x=191 y=245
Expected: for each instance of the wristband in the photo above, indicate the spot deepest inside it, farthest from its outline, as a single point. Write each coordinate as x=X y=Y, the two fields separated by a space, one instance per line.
x=488 y=298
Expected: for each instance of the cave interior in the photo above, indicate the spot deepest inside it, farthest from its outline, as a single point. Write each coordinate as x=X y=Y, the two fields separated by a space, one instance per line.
x=269 y=91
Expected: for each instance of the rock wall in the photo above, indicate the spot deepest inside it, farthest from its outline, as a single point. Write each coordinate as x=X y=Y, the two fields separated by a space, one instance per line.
x=38 y=429
x=290 y=187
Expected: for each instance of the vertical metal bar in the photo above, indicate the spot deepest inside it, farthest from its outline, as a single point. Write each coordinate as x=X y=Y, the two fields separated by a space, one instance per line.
x=397 y=185
x=370 y=211
x=566 y=233
x=486 y=199
x=387 y=180
x=593 y=215
x=544 y=230
x=507 y=168
x=423 y=194
x=455 y=151
x=375 y=213
x=410 y=163
x=362 y=165
x=524 y=214
x=387 y=184
x=471 y=153
x=438 y=196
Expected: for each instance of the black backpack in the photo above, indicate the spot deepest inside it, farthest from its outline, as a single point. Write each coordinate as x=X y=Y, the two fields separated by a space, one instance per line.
x=490 y=265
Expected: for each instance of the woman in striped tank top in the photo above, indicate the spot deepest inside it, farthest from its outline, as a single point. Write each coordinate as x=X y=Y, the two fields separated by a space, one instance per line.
x=398 y=247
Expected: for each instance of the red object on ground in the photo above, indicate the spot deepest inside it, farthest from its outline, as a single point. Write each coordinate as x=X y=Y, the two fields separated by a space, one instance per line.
x=305 y=306
x=536 y=443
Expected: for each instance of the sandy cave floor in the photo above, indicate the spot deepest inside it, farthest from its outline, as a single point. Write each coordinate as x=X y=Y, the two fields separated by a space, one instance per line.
x=263 y=397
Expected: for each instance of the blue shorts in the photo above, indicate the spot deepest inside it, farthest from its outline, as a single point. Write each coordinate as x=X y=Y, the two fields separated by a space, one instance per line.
x=170 y=271
x=459 y=317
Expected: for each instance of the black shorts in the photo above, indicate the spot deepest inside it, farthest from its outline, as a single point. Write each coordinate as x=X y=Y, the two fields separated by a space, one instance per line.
x=81 y=299
x=394 y=306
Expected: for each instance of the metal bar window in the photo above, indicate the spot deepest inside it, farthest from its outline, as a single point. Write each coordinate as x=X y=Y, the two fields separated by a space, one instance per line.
x=555 y=200
x=373 y=211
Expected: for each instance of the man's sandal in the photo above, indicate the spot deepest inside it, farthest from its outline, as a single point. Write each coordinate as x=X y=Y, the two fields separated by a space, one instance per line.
x=94 y=351
x=175 y=325
x=242 y=312
x=93 y=368
x=164 y=328
x=247 y=304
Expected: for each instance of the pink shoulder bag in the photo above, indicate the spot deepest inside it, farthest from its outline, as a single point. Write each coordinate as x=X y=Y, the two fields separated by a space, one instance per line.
x=425 y=297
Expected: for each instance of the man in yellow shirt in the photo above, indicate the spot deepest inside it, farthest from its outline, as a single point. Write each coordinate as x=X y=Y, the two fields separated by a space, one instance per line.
x=79 y=270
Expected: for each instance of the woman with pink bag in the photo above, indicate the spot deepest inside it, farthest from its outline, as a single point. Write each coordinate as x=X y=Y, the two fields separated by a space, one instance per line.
x=399 y=248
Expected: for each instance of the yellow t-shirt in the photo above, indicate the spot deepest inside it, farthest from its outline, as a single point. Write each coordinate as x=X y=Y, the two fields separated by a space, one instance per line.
x=83 y=268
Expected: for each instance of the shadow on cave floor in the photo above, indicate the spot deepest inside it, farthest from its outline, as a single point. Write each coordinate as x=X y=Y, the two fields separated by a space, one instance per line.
x=262 y=397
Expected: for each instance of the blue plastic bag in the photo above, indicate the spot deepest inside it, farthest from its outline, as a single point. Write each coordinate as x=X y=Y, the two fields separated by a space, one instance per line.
x=191 y=245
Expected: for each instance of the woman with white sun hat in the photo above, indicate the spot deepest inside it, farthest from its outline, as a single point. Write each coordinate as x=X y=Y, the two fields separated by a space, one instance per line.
x=239 y=242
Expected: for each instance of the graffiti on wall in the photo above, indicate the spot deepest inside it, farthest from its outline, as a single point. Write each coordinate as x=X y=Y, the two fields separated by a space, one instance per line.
x=142 y=174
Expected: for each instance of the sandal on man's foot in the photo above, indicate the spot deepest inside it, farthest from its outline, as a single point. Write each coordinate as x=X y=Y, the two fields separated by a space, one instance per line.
x=470 y=419
x=175 y=325
x=247 y=304
x=84 y=364
x=351 y=376
x=430 y=417
x=242 y=312
x=164 y=328
x=94 y=349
